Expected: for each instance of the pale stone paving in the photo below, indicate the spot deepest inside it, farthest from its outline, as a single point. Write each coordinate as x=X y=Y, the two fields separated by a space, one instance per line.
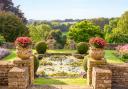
x=59 y=87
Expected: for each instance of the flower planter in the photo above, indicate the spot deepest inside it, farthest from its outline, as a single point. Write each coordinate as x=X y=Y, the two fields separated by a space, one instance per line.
x=23 y=53
x=96 y=53
x=23 y=47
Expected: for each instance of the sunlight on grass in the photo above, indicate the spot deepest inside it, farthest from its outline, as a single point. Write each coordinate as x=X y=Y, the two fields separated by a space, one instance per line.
x=66 y=81
x=11 y=57
x=61 y=51
x=111 y=58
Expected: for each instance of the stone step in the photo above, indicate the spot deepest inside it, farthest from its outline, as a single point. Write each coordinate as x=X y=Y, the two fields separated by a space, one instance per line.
x=59 y=87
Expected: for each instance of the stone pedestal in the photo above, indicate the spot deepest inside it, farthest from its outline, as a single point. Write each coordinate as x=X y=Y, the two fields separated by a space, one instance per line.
x=93 y=63
x=29 y=63
x=18 y=78
x=101 y=78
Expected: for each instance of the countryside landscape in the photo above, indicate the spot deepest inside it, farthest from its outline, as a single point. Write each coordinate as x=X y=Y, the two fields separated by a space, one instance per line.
x=63 y=44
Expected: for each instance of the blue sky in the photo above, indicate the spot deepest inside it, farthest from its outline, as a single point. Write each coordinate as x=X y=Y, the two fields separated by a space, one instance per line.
x=75 y=9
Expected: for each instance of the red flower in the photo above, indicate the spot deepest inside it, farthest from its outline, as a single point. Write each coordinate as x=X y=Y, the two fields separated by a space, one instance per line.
x=97 y=42
x=23 y=41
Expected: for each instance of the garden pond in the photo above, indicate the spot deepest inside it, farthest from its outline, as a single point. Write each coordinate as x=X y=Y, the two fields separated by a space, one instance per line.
x=61 y=66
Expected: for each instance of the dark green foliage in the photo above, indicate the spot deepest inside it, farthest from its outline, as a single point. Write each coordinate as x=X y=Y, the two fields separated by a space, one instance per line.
x=59 y=37
x=100 y=22
x=8 y=6
x=41 y=47
x=83 y=31
x=11 y=27
x=82 y=47
x=36 y=64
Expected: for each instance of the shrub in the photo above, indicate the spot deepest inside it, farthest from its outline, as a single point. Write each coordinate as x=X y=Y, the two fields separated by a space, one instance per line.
x=36 y=64
x=41 y=47
x=4 y=53
x=82 y=47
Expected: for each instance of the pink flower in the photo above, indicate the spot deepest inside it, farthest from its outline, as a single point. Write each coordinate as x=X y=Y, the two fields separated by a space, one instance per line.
x=23 y=41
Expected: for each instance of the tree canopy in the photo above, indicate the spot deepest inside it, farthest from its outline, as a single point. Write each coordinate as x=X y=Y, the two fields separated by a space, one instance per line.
x=83 y=31
x=39 y=32
x=119 y=33
x=8 y=6
x=11 y=27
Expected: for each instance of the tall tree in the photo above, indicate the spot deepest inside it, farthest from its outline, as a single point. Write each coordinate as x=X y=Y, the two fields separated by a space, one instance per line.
x=120 y=33
x=83 y=31
x=39 y=32
x=11 y=26
x=8 y=6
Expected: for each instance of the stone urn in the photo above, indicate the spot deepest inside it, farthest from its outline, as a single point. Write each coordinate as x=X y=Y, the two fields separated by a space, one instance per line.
x=96 y=53
x=23 y=53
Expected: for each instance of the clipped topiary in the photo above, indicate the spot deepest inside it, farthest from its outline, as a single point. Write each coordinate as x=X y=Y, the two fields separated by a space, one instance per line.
x=82 y=47
x=41 y=47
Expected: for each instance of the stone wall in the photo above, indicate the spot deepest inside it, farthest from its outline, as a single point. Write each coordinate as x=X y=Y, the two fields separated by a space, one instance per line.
x=18 y=74
x=4 y=69
x=102 y=75
x=119 y=74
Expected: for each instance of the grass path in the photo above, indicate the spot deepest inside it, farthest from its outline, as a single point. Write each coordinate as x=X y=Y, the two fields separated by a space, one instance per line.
x=66 y=81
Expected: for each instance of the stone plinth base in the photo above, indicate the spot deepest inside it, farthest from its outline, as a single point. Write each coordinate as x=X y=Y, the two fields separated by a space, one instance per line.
x=93 y=63
x=18 y=78
x=101 y=78
x=29 y=63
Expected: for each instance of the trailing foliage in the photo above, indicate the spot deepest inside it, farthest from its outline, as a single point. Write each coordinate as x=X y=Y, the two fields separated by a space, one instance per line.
x=36 y=64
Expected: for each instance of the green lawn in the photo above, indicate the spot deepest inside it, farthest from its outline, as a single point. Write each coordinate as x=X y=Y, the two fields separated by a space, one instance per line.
x=61 y=51
x=66 y=81
x=111 y=58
